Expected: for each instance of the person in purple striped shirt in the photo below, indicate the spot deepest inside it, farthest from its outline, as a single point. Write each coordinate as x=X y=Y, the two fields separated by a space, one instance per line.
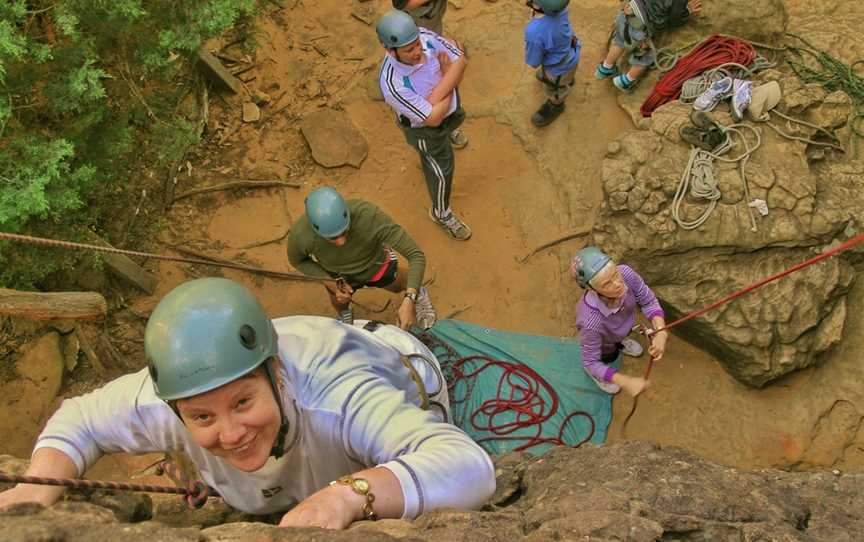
x=605 y=315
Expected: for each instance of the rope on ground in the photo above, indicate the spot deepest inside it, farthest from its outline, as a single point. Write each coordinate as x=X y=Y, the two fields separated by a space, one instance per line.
x=520 y=393
x=714 y=51
x=699 y=181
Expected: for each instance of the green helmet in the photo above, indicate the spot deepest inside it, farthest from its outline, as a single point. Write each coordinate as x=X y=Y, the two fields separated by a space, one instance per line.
x=327 y=212
x=552 y=6
x=587 y=263
x=206 y=333
x=396 y=29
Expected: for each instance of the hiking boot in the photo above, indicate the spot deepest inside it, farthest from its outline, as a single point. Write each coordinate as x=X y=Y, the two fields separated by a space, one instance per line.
x=631 y=347
x=701 y=120
x=602 y=72
x=546 y=114
x=458 y=139
x=453 y=226
x=707 y=140
x=609 y=387
x=716 y=93
x=346 y=316
x=623 y=83
x=424 y=312
x=741 y=97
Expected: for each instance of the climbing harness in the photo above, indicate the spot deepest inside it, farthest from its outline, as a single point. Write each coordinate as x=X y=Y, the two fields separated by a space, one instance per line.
x=28 y=239
x=520 y=392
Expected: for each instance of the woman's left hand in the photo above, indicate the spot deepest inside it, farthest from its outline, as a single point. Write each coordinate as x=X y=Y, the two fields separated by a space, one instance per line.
x=334 y=507
x=658 y=345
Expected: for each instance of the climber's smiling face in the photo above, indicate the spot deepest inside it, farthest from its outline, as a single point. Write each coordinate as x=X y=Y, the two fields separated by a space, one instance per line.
x=237 y=422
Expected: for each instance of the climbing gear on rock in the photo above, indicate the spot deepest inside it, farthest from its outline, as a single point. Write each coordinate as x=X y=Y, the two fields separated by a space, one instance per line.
x=705 y=139
x=547 y=113
x=715 y=94
x=457 y=229
x=327 y=212
x=586 y=264
x=396 y=29
x=206 y=333
x=741 y=97
x=763 y=99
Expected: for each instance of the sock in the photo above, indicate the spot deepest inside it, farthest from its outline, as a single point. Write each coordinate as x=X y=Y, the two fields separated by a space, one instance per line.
x=607 y=66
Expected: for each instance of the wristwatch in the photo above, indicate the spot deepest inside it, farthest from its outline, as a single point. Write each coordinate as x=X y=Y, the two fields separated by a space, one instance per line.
x=361 y=487
x=412 y=296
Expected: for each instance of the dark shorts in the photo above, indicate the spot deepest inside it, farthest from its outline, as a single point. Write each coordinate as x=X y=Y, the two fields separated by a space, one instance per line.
x=385 y=275
x=612 y=356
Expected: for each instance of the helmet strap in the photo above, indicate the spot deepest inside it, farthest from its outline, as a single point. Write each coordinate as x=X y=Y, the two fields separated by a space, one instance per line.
x=279 y=444
x=530 y=4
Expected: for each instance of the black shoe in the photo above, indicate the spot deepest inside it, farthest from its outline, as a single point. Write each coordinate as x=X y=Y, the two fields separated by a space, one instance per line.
x=546 y=114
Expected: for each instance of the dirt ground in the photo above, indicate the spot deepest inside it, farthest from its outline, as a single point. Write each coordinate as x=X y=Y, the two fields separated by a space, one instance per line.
x=518 y=187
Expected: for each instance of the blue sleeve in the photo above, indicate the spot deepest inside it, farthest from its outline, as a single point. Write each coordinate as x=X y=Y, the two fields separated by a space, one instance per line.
x=533 y=54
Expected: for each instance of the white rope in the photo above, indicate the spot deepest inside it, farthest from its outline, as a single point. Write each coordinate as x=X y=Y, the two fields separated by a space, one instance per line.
x=699 y=182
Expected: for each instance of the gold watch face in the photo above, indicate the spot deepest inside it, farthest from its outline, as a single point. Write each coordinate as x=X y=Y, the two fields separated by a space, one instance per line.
x=361 y=484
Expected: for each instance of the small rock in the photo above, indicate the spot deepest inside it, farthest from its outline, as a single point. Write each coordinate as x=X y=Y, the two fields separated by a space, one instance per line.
x=261 y=98
x=251 y=113
x=333 y=139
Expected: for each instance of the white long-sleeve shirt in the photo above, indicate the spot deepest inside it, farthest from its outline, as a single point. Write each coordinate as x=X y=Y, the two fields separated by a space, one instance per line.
x=350 y=402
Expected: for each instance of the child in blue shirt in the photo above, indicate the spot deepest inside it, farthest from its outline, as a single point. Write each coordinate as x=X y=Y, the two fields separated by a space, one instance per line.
x=552 y=48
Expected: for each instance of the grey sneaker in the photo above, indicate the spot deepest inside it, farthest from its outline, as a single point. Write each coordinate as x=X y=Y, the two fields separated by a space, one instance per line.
x=631 y=348
x=715 y=94
x=456 y=228
x=423 y=309
x=458 y=139
x=608 y=387
x=346 y=316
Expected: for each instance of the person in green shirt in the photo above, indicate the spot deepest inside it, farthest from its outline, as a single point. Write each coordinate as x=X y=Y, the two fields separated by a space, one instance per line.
x=356 y=243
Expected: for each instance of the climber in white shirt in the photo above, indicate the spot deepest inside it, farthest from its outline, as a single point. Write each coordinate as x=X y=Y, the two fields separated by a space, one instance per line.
x=351 y=423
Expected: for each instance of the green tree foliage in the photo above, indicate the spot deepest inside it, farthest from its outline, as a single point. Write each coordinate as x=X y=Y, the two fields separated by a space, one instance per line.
x=85 y=86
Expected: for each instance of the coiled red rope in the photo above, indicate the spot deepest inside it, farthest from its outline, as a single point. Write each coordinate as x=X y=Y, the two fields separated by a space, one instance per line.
x=523 y=399
x=714 y=51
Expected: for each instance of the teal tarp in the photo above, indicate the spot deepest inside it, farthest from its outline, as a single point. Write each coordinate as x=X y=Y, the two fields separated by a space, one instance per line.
x=557 y=360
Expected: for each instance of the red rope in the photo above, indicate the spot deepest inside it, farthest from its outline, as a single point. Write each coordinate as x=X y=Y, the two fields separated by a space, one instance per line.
x=713 y=52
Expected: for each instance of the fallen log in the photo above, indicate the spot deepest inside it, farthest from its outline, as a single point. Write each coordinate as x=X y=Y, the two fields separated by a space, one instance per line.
x=235 y=184
x=53 y=306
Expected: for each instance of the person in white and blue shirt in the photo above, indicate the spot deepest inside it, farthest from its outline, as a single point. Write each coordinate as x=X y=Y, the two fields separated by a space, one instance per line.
x=419 y=77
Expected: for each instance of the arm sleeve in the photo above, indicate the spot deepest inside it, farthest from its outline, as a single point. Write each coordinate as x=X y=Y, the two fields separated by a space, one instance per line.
x=104 y=421
x=591 y=342
x=449 y=47
x=299 y=257
x=533 y=54
x=395 y=236
x=437 y=464
x=404 y=100
x=645 y=297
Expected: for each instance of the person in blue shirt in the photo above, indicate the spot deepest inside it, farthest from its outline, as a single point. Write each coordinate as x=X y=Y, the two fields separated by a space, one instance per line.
x=552 y=48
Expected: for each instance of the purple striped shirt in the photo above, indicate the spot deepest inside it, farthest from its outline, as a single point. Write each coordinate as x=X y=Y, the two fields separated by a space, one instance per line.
x=601 y=328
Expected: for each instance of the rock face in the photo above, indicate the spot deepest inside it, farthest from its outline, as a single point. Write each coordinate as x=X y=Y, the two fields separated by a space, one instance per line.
x=628 y=491
x=814 y=199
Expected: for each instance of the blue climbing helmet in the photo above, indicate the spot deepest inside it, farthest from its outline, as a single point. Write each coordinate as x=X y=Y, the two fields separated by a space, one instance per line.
x=396 y=29
x=327 y=212
x=587 y=263
x=207 y=333
x=551 y=7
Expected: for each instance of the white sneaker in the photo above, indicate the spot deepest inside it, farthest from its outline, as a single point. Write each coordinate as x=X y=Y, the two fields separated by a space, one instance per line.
x=346 y=316
x=608 y=387
x=423 y=309
x=741 y=97
x=715 y=94
x=631 y=347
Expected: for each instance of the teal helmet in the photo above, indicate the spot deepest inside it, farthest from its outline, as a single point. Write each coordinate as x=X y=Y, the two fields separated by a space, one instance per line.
x=397 y=29
x=206 y=333
x=552 y=6
x=587 y=263
x=327 y=212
